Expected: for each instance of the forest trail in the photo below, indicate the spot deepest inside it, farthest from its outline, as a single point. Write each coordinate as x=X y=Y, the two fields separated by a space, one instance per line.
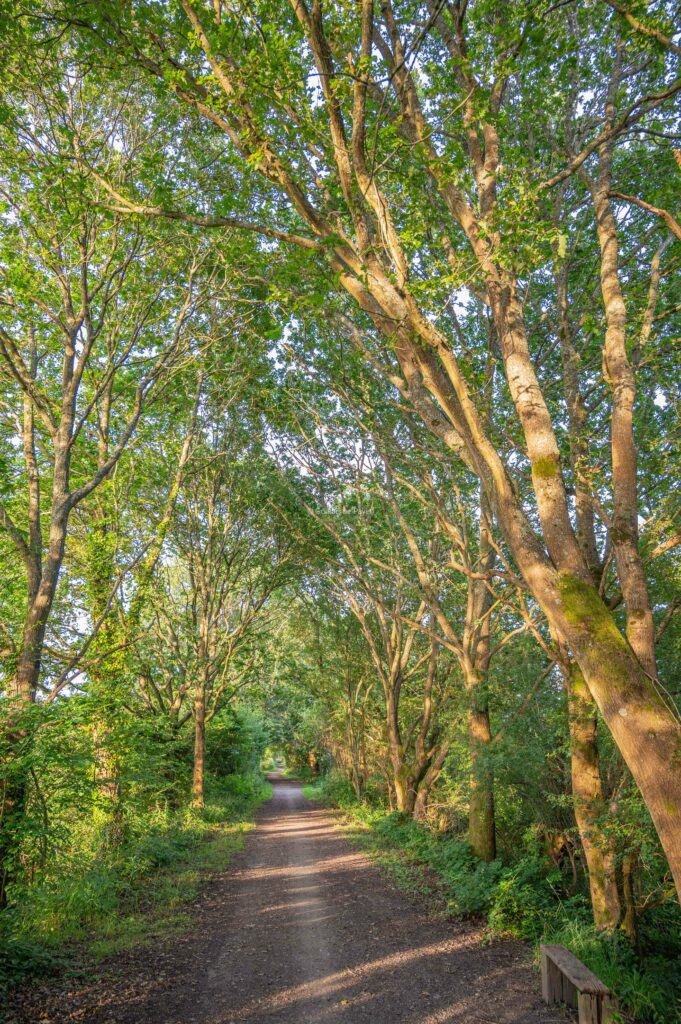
x=303 y=928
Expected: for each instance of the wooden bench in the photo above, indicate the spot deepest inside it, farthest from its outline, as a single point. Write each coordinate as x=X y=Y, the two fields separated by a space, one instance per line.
x=565 y=979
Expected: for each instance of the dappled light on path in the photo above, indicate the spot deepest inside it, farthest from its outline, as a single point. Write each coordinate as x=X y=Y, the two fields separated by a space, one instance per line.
x=305 y=929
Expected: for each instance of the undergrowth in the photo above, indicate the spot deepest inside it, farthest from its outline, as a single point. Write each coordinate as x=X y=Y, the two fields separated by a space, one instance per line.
x=98 y=900
x=526 y=900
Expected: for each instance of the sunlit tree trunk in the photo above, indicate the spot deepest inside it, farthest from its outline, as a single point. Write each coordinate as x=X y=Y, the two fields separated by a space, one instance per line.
x=199 y=744
x=619 y=374
x=402 y=784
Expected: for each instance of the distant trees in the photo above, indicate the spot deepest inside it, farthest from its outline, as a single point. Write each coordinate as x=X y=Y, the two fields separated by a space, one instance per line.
x=226 y=556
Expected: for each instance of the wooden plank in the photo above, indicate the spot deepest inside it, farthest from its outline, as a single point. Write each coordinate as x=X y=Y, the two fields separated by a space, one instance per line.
x=553 y=980
x=581 y=977
x=546 y=987
x=596 y=1009
x=568 y=992
x=588 y=1006
x=608 y=1010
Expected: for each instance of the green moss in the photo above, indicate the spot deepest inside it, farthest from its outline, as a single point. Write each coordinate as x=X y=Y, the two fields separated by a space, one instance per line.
x=546 y=467
x=583 y=607
x=618 y=535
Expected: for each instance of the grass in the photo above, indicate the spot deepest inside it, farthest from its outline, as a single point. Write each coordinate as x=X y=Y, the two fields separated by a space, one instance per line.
x=522 y=900
x=91 y=905
x=159 y=900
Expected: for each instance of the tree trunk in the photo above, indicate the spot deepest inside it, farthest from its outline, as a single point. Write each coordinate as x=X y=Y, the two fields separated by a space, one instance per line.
x=355 y=768
x=405 y=794
x=103 y=676
x=25 y=681
x=476 y=661
x=620 y=375
x=404 y=790
x=629 y=925
x=421 y=804
x=589 y=805
x=481 y=825
x=109 y=808
x=578 y=416
x=199 y=746
x=420 y=812
x=644 y=727
x=364 y=764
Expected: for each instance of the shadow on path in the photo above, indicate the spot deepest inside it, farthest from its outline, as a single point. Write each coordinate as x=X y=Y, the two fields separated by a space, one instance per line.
x=303 y=928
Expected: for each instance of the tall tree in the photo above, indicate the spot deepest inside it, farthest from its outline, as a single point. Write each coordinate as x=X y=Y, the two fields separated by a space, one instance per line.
x=89 y=328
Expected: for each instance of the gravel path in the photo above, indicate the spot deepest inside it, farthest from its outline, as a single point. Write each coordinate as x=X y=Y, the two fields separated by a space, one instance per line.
x=303 y=928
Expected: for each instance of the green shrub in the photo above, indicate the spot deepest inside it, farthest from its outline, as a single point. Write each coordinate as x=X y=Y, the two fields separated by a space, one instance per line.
x=235 y=742
x=334 y=789
x=89 y=887
x=526 y=897
x=21 y=959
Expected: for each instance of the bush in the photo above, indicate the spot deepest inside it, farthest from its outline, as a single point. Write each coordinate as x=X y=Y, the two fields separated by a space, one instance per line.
x=22 y=959
x=334 y=789
x=527 y=897
x=235 y=742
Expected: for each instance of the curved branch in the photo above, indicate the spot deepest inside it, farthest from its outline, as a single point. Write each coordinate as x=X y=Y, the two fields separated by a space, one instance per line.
x=666 y=216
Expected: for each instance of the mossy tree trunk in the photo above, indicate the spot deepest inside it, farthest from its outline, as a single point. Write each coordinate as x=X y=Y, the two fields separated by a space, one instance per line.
x=589 y=803
x=401 y=778
x=481 y=818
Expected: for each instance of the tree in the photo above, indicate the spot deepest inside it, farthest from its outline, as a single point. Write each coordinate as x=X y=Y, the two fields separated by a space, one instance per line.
x=225 y=559
x=89 y=330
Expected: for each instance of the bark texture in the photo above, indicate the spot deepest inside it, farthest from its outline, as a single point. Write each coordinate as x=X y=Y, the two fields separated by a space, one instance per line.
x=589 y=803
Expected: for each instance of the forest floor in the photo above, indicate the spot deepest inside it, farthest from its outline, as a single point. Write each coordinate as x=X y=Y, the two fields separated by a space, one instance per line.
x=303 y=928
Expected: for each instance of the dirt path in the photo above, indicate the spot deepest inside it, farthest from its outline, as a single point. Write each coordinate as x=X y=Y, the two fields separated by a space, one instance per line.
x=303 y=928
